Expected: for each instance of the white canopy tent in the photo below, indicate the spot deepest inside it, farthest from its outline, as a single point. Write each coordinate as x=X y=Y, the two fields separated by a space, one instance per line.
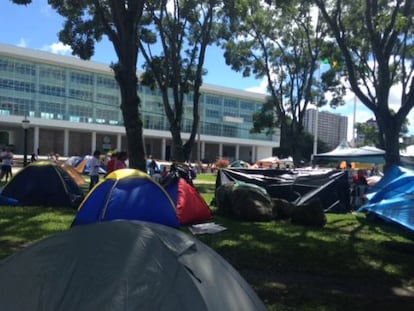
x=344 y=152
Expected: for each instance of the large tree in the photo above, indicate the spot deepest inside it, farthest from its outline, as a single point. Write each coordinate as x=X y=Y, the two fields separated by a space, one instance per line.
x=86 y=22
x=281 y=43
x=375 y=38
x=368 y=134
x=174 y=43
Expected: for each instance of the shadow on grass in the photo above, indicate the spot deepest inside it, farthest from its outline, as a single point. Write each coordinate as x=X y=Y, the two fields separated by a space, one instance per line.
x=350 y=264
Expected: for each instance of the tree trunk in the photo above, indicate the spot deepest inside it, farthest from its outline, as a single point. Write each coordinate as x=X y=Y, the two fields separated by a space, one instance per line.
x=127 y=79
x=195 y=127
x=389 y=130
x=178 y=153
x=392 y=146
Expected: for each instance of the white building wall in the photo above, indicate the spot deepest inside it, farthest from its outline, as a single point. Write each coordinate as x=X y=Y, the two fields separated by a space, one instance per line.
x=263 y=152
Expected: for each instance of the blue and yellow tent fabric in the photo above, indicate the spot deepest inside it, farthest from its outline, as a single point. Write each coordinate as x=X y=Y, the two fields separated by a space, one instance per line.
x=127 y=194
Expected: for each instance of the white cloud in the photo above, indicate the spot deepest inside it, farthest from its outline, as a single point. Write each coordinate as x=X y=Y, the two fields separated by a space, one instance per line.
x=58 y=48
x=261 y=88
x=22 y=43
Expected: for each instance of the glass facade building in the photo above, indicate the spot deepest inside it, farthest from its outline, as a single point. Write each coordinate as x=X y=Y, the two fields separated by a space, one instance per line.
x=74 y=107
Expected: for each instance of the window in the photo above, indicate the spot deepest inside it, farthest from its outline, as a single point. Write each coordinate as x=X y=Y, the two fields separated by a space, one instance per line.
x=106 y=82
x=81 y=78
x=111 y=100
x=6 y=65
x=231 y=103
x=79 y=94
x=80 y=112
x=52 y=74
x=213 y=100
x=249 y=106
x=52 y=90
x=24 y=68
x=230 y=131
x=212 y=114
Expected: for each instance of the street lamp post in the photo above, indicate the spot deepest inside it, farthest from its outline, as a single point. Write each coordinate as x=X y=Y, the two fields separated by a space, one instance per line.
x=25 y=126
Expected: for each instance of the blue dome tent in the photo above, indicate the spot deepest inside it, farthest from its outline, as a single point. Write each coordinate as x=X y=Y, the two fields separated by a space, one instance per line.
x=127 y=194
x=43 y=183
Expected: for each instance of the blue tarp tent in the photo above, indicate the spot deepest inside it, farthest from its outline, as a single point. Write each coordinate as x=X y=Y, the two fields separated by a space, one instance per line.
x=392 y=198
x=127 y=194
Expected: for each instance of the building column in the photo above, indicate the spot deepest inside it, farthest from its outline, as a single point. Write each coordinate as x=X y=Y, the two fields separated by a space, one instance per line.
x=163 y=147
x=93 y=142
x=203 y=150
x=36 y=134
x=118 y=142
x=66 y=143
x=237 y=156
x=254 y=154
x=220 y=155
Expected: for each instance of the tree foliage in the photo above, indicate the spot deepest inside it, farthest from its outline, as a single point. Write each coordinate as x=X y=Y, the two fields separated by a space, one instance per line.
x=184 y=30
x=375 y=39
x=368 y=133
x=282 y=44
x=85 y=23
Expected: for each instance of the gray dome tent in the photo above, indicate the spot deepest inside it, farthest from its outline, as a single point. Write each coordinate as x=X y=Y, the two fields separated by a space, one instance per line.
x=122 y=265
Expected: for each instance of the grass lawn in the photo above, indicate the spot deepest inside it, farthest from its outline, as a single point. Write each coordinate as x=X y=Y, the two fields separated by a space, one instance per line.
x=353 y=263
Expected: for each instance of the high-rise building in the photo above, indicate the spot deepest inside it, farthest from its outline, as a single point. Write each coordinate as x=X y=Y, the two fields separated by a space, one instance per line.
x=331 y=128
x=73 y=107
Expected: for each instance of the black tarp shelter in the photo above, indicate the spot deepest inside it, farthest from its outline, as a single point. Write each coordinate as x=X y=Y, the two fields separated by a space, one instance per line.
x=295 y=186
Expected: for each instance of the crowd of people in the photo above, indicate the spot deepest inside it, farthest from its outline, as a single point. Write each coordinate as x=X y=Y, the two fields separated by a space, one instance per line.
x=98 y=163
x=118 y=160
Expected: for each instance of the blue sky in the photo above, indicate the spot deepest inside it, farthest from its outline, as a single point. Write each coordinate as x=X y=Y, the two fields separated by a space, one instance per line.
x=36 y=26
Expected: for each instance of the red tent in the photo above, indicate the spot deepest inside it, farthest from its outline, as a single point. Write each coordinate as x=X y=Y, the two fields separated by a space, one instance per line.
x=190 y=205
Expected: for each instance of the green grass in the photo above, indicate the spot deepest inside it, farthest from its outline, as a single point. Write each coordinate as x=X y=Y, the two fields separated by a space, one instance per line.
x=210 y=178
x=20 y=226
x=283 y=261
x=352 y=263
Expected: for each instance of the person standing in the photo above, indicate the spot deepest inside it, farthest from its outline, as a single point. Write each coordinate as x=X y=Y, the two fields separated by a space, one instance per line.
x=33 y=158
x=120 y=162
x=359 y=189
x=153 y=167
x=94 y=164
x=110 y=167
x=7 y=162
